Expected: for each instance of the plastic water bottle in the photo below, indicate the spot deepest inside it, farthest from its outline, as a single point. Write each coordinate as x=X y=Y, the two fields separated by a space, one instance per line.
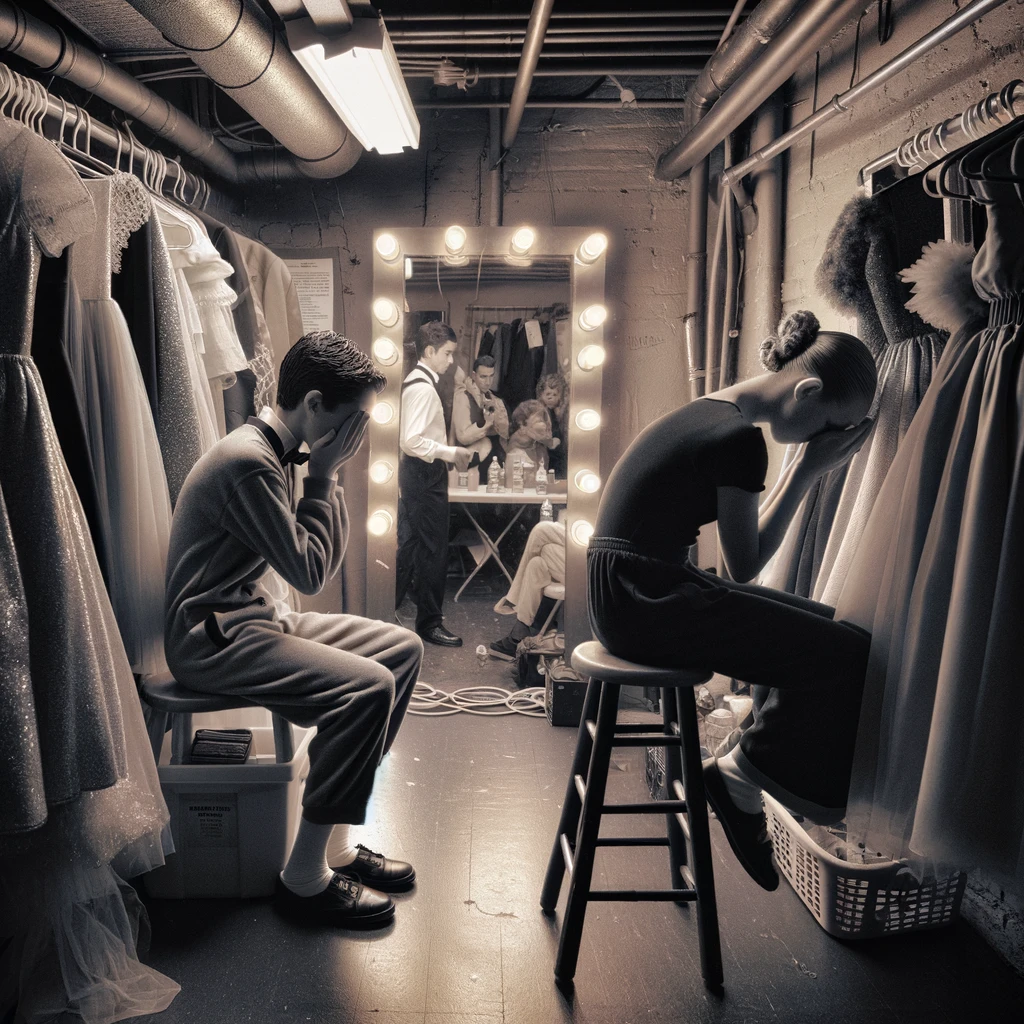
x=541 y=480
x=518 y=478
x=493 y=477
x=547 y=512
x=481 y=651
x=464 y=478
x=705 y=705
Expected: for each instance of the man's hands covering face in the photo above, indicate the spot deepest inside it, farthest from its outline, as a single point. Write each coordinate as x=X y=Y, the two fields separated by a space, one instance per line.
x=328 y=453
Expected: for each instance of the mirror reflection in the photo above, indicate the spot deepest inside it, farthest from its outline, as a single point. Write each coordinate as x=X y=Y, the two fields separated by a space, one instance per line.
x=481 y=534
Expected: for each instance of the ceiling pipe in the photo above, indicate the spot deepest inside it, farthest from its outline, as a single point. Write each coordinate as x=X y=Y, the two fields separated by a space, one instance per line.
x=535 y=30
x=614 y=15
x=842 y=103
x=235 y=44
x=49 y=49
x=552 y=103
x=816 y=22
x=574 y=69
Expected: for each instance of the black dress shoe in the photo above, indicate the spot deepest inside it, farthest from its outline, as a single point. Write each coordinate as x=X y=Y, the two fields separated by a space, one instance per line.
x=345 y=903
x=379 y=872
x=440 y=636
x=747 y=833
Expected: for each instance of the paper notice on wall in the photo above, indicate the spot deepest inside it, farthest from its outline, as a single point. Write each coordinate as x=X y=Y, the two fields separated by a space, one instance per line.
x=534 y=338
x=314 y=283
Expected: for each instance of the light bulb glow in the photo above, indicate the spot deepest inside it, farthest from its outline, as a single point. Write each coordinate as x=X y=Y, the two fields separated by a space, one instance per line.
x=592 y=248
x=581 y=532
x=388 y=248
x=383 y=412
x=590 y=357
x=587 y=481
x=381 y=472
x=592 y=317
x=455 y=240
x=385 y=351
x=522 y=241
x=408 y=269
x=588 y=419
x=380 y=522
x=386 y=312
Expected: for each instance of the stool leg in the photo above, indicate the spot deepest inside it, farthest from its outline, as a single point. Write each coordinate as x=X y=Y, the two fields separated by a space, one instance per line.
x=700 y=837
x=590 y=825
x=284 y=747
x=156 y=727
x=181 y=737
x=568 y=823
x=673 y=774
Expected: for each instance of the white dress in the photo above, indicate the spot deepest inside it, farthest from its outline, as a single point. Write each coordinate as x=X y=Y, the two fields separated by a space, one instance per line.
x=122 y=437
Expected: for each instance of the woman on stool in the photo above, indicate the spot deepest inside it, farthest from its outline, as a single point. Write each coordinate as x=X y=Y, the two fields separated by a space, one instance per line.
x=706 y=463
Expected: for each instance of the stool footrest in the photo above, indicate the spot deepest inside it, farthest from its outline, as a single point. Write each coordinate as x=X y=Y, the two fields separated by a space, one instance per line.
x=649 y=807
x=643 y=895
x=631 y=841
x=626 y=736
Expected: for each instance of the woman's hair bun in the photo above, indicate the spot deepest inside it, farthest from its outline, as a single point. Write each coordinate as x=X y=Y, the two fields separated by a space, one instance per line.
x=795 y=334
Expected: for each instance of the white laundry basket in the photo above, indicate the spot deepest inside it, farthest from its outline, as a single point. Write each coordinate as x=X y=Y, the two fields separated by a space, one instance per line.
x=858 y=901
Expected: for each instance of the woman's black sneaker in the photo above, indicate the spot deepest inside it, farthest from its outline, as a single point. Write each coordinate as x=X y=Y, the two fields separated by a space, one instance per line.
x=345 y=903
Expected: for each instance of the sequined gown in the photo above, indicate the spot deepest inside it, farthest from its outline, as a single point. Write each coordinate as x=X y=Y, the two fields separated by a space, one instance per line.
x=937 y=579
x=134 y=499
x=80 y=802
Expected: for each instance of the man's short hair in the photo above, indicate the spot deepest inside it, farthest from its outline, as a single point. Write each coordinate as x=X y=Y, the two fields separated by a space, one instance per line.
x=487 y=362
x=433 y=334
x=329 y=363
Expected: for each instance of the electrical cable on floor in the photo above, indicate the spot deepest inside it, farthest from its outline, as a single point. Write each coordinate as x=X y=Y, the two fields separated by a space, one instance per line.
x=477 y=700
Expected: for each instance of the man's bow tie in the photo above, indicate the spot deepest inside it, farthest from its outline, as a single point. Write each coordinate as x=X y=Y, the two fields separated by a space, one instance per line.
x=299 y=458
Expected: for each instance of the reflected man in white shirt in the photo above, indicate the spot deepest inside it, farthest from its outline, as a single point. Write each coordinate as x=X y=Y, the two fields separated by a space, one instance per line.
x=423 y=485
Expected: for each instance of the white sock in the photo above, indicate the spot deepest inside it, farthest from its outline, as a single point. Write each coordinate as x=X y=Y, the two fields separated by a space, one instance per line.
x=306 y=872
x=340 y=850
x=746 y=795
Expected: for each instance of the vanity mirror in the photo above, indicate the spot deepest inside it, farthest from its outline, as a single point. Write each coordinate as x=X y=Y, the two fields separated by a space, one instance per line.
x=532 y=299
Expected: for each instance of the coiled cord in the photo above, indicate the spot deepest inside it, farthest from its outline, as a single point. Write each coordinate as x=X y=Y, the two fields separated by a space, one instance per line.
x=489 y=701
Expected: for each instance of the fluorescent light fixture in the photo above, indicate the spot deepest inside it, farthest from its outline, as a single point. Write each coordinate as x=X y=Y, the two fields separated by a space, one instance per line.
x=588 y=419
x=359 y=74
x=383 y=412
x=380 y=522
x=590 y=357
x=385 y=311
x=385 y=351
x=408 y=269
x=381 y=471
x=388 y=247
x=591 y=248
x=592 y=317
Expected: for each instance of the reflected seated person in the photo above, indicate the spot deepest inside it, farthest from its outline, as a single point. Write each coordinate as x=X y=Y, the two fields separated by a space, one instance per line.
x=479 y=416
x=531 y=438
x=542 y=564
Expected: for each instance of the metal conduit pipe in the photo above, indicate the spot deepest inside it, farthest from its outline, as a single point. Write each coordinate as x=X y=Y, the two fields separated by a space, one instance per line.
x=844 y=102
x=808 y=30
x=495 y=175
x=50 y=49
x=554 y=103
x=234 y=42
x=535 y=30
x=570 y=69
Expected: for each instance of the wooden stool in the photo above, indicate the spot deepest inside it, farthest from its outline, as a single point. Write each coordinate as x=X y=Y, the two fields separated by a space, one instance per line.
x=686 y=815
x=167 y=697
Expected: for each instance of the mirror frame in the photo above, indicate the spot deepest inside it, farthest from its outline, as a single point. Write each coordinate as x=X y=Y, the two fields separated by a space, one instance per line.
x=586 y=288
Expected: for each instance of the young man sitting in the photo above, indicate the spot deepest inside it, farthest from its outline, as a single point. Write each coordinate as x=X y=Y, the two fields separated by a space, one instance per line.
x=350 y=677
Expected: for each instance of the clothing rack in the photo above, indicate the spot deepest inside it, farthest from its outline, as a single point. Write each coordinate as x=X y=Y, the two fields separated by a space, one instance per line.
x=32 y=104
x=938 y=140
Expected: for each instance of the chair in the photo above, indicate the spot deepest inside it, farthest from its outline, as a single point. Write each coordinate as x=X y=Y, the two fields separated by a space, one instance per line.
x=688 y=836
x=555 y=591
x=169 y=699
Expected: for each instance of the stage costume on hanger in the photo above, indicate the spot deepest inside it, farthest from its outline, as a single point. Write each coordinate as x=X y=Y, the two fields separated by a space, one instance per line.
x=122 y=435
x=858 y=275
x=350 y=677
x=937 y=578
x=80 y=803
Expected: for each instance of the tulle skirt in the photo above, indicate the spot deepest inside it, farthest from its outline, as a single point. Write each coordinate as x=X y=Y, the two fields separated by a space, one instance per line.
x=80 y=801
x=130 y=477
x=937 y=579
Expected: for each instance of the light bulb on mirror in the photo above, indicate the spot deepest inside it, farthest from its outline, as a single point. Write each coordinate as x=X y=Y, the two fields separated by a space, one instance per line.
x=592 y=317
x=587 y=481
x=381 y=472
x=522 y=241
x=388 y=248
x=581 y=532
x=386 y=312
x=380 y=522
x=383 y=412
x=455 y=240
x=592 y=248
x=590 y=357
x=588 y=419
x=385 y=351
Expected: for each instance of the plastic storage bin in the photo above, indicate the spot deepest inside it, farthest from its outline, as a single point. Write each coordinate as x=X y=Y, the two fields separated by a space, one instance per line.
x=232 y=824
x=858 y=901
